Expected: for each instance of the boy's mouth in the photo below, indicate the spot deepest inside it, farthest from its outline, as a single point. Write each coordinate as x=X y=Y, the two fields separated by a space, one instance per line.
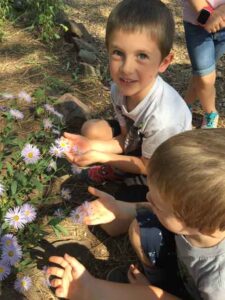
x=127 y=80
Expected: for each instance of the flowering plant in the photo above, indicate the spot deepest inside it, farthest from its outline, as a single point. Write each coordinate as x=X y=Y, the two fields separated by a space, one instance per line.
x=28 y=165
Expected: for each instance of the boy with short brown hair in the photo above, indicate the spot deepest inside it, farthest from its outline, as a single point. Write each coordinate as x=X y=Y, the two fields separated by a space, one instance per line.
x=139 y=38
x=186 y=225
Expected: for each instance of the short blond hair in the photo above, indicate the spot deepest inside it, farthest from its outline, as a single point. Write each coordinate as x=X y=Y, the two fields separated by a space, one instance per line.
x=188 y=170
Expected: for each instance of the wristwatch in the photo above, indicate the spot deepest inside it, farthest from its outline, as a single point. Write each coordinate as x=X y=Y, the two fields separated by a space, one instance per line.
x=204 y=15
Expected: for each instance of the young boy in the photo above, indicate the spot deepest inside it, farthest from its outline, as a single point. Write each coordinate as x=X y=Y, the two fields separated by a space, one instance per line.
x=186 y=179
x=139 y=37
x=204 y=24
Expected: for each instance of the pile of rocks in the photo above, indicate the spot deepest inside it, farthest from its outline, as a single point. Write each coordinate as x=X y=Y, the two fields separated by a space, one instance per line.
x=86 y=53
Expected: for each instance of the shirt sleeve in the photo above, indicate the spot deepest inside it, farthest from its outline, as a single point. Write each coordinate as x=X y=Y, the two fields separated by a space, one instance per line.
x=153 y=139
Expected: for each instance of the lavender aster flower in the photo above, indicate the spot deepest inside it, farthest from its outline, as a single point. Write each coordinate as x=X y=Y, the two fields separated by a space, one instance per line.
x=16 y=114
x=8 y=240
x=4 y=270
x=25 y=96
x=81 y=212
x=66 y=194
x=29 y=212
x=15 y=218
x=49 y=108
x=59 y=213
x=23 y=284
x=2 y=189
x=63 y=144
x=30 y=154
x=56 y=151
x=12 y=254
x=47 y=123
x=46 y=276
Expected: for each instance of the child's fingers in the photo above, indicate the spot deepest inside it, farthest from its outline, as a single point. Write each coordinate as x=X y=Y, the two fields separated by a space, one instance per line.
x=55 y=271
x=56 y=282
x=98 y=193
x=70 y=136
x=58 y=260
x=75 y=264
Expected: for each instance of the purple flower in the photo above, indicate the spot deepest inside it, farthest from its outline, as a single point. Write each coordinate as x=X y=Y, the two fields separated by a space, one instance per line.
x=12 y=254
x=49 y=108
x=29 y=212
x=47 y=123
x=25 y=96
x=63 y=144
x=4 y=270
x=56 y=151
x=78 y=214
x=16 y=114
x=8 y=240
x=23 y=284
x=30 y=154
x=46 y=276
x=15 y=218
x=59 y=213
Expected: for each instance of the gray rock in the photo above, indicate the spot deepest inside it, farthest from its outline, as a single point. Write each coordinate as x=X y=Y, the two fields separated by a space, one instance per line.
x=79 y=30
x=87 y=56
x=81 y=44
x=74 y=111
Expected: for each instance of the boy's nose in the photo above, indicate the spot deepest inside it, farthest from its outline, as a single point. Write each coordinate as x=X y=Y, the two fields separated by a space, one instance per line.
x=127 y=66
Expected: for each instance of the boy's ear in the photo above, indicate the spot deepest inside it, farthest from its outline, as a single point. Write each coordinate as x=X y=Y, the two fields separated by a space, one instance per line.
x=166 y=62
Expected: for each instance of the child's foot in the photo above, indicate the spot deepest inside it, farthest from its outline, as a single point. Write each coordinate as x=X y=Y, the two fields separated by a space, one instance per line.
x=98 y=175
x=210 y=120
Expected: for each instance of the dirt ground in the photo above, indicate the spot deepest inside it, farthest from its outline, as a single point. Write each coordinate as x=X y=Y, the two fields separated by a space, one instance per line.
x=26 y=63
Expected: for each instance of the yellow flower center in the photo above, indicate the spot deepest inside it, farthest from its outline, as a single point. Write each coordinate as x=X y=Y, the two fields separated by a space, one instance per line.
x=27 y=213
x=16 y=218
x=11 y=253
x=23 y=283
x=30 y=155
x=8 y=243
x=2 y=270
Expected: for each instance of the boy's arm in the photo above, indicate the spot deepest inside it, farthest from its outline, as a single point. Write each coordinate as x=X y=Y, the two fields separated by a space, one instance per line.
x=84 y=144
x=74 y=282
x=125 y=163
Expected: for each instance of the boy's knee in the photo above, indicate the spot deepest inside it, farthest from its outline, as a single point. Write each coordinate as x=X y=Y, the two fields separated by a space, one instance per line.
x=96 y=129
x=135 y=239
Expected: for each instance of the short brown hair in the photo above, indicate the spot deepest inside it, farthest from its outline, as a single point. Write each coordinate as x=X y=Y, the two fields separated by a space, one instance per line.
x=188 y=170
x=153 y=15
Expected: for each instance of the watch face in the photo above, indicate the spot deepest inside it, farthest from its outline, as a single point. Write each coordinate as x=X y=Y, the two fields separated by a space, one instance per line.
x=203 y=16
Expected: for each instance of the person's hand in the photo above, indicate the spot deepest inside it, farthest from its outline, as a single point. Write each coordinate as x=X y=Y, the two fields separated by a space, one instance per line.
x=85 y=159
x=103 y=210
x=72 y=281
x=216 y=21
x=80 y=142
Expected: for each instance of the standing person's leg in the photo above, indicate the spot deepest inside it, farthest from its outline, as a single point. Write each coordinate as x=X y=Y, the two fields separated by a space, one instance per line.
x=202 y=53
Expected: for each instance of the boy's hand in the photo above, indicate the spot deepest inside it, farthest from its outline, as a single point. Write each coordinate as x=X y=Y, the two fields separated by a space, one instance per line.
x=85 y=159
x=82 y=143
x=72 y=280
x=103 y=210
x=216 y=21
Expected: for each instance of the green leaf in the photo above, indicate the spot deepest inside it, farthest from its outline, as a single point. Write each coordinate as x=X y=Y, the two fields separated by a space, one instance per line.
x=54 y=221
x=62 y=229
x=14 y=187
x=57 y=232
x=9 y=168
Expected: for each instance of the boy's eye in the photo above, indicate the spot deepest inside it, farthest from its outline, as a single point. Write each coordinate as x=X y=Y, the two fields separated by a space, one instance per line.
x=142 y=56
x=117 y=53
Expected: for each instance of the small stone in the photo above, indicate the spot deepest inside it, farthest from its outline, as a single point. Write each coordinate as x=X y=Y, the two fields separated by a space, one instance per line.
x=87 y=56
x=87 y=70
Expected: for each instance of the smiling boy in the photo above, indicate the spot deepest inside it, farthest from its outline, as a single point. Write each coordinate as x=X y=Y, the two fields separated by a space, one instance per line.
x=139 y=38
